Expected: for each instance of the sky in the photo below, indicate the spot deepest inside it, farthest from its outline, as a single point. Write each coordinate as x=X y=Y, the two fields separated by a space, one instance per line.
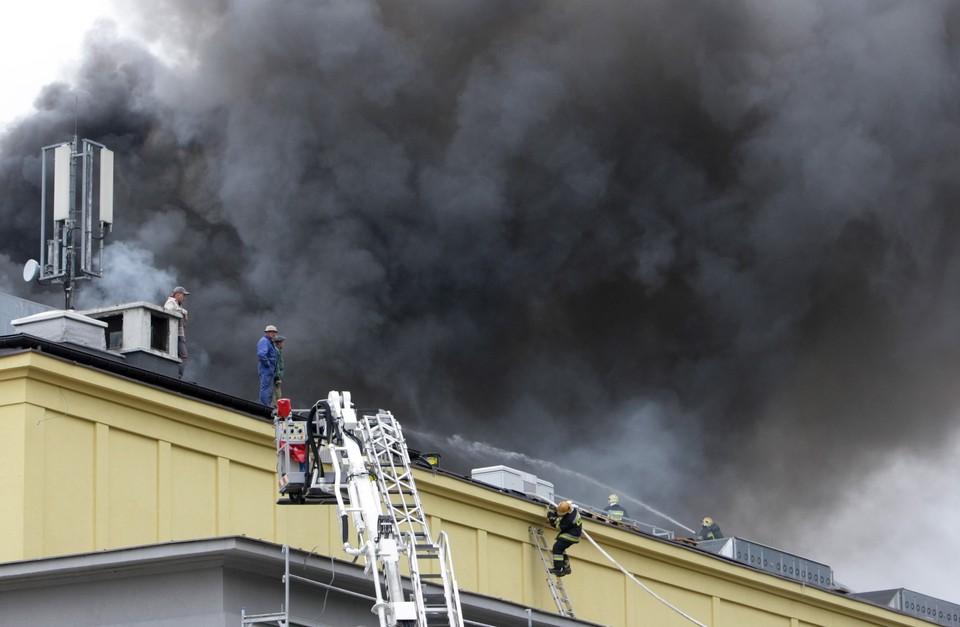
x=40 y=50
x=704 y=258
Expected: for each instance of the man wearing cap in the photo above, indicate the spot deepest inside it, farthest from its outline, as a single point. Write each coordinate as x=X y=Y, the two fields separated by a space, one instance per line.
x=267 y=364
x=175 y=303
x=278 y=374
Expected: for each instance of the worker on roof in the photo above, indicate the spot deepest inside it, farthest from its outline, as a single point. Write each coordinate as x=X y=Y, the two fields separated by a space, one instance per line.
x=278 y=373
x=175 y=303
x=267 y=364
x=614 y=510
x=566 y=519
x=709 y=531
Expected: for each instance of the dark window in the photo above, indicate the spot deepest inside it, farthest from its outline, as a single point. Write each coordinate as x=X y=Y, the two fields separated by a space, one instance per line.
x=114 y=331
x=159 y=333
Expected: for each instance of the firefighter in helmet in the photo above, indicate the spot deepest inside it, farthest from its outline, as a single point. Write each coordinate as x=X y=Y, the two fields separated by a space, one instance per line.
x=566 y=519
x=709 y=531
x=613 y=509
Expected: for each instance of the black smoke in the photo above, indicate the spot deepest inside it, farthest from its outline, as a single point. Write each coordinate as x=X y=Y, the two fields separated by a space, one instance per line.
x=702 y=252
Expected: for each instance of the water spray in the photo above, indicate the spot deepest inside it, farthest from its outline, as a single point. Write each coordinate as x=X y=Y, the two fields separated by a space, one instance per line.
x=481 y=448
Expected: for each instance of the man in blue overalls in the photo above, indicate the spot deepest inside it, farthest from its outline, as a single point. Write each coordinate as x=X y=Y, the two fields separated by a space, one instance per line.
x=267 y=364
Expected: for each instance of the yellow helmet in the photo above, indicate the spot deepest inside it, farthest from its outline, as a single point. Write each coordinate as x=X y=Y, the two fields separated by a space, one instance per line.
x=613 y=498
x=707 y=521
x=564 y=506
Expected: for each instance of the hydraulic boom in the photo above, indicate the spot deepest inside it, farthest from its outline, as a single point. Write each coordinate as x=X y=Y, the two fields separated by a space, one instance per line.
x=329 y=454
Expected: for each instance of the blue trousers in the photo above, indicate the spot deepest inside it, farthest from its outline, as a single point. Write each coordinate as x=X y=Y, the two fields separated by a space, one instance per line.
x=266 y=389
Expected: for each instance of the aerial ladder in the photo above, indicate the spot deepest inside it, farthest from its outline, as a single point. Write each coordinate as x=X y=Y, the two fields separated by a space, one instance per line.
x=329 y=454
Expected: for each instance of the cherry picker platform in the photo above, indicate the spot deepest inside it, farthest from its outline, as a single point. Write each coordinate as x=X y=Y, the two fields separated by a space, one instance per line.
x=330 y=454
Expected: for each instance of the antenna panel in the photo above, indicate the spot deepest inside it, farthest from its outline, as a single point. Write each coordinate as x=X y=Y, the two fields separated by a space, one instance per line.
x=61 y=182
x=106 y=185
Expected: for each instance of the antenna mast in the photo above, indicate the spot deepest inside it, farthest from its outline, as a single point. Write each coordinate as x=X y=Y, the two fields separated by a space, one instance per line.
x=79 y=214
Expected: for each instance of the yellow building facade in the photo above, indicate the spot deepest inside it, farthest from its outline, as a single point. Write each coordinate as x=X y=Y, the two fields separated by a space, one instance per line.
x=93 y=460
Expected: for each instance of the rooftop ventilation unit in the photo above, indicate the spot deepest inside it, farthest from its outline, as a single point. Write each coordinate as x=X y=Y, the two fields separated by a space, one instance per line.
x=507 y=478
x=63 y=326
x=916 y=604
x=144 y=333
x=771 y=560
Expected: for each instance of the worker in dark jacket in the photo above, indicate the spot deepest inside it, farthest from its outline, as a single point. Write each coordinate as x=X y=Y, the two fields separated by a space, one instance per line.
x=613 y=509
x=566 y=519
x=278 y=373
x=710 y=530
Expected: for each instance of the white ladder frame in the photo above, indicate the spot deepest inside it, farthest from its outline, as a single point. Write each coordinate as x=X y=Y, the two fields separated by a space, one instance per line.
x=557 y=589
x=387 y=452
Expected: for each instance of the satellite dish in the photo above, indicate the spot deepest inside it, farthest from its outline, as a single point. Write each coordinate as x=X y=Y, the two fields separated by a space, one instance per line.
x=31 y=270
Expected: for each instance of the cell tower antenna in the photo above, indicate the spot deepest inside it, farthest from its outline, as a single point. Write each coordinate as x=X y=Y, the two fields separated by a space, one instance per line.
x=78 y=211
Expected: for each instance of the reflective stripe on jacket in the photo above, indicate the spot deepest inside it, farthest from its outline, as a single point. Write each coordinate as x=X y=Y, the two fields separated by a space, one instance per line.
x=570 y=526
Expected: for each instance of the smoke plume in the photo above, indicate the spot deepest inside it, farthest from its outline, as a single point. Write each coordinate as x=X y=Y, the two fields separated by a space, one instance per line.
x=704 y=252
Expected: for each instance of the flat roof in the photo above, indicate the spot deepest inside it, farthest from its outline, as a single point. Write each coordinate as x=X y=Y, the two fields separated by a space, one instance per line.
x=115 y=364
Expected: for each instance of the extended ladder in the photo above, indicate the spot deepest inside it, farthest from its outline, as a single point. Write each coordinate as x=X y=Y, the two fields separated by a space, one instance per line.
x=387 y=453
x=553 y=582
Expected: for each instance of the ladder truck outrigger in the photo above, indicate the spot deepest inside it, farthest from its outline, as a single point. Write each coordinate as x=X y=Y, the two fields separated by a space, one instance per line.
x=329 y=454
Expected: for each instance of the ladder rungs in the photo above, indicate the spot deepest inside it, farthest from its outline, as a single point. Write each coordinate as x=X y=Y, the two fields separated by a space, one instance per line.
x=387 y=452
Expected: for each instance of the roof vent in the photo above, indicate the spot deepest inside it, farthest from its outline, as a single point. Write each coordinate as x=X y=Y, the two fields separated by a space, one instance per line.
x=507 y=478
x=920 y=605
x=144 y=333
x=771 y=560
x=64 y=326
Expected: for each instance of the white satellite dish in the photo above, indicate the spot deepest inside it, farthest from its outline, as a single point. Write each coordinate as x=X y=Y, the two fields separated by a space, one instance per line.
x=31 y=270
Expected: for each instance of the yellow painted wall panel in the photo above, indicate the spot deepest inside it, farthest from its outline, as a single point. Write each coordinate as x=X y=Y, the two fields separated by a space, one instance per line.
x=13 y=387
x=820 y=617
x=37 y=483
x=310 y=527
x=68 y=466
x=597 y=586
x=251 y=491
x=463 y=539
x=13 y=483
x=536 y=592
x=193 y=507
x=132 y=481
x=731 y=614
x=642 y=603
x=504 y=567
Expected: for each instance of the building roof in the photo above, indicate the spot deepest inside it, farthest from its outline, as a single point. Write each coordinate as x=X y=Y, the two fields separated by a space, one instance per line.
x=115 y=364
x=204 y=473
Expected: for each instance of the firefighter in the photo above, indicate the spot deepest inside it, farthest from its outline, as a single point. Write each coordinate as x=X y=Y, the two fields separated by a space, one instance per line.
x=566 y=519
x=709 y=531
x=613 y=509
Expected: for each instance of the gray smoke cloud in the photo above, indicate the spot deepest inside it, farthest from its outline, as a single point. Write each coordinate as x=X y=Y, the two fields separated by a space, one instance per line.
x=703 y=252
